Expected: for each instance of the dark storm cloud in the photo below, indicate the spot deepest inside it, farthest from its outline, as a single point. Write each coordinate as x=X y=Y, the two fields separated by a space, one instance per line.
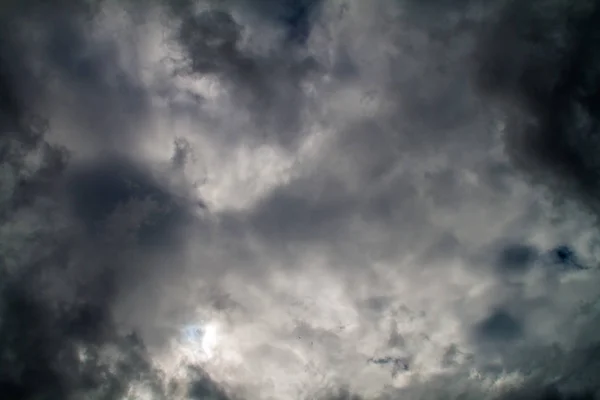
x=37 y=337
x=55 y=350
x=295 y=17
x=65 y=276
x=105 y=99
x=549 y=393
x=77 y=76
x=540 y=59
x=564 y=258
x=52 y=344
x=58 y=285
x=203 y=388
x=99 y=190
x=266 y=85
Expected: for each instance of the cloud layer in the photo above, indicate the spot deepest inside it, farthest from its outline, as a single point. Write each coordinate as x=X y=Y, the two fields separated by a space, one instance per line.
x=299 y=199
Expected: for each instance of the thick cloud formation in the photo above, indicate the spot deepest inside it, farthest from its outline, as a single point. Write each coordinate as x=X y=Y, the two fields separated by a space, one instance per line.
x=540 y=56
x=344 y=199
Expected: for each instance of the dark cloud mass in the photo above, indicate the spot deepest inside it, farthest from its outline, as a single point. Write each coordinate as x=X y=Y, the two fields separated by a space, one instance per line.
x=517 y=257
x=541 y=56
x=499 y=326
x=340 y=199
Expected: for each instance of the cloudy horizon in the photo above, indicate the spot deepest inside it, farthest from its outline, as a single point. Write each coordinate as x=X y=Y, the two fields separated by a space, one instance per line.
x=294 y=199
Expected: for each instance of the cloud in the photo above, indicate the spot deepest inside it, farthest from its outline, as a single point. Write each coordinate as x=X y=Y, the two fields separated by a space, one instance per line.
x=357 y=198
x=58 y=333
x=499 y=326
x=517 y=257
x=550 y=81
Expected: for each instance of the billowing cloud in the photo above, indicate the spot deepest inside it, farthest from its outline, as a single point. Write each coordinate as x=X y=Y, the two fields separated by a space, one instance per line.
x=324 y=199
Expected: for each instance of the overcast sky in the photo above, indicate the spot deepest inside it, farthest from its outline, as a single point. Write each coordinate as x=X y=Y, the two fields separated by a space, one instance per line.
x=299 y=199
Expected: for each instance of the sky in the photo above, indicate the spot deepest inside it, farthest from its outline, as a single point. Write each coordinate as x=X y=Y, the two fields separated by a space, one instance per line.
x=299 y=199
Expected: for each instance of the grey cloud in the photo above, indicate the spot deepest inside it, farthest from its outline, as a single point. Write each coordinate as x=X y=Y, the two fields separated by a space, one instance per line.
x=289 y=215
x=499 y=326
x=55 y=305
x=98 y=191
x=203 y=387
x=372 y=197
x=434 y=109
x=565 y=258
x=538 y=58
x=40 y=332
x=517 y=257
x=81 y=79
x=551 y=393
x=59 y=286
x=442 y=248
x=452 y=357
x=106 y=98
x=299 y=214
x=295 y=17
x=211 y=39
x=266 y=86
